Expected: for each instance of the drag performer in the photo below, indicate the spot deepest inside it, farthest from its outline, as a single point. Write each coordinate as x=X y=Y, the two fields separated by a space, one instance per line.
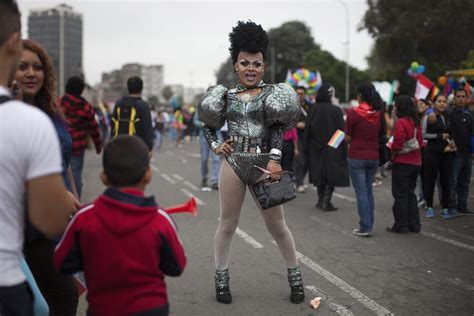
x=256 y=114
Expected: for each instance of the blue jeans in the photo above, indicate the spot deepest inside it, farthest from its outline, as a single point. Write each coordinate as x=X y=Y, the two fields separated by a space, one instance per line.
x=459 y=185
x=362 y=176
x=77 y=164
x=206 y=152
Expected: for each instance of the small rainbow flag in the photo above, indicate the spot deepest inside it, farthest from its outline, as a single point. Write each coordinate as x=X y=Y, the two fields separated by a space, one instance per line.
x=336 y=139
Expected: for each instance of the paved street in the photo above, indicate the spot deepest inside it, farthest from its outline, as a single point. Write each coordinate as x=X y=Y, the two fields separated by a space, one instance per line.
x=431 y=273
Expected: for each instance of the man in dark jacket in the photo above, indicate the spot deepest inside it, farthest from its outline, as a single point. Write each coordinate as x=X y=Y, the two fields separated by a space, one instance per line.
x=461 y=132
x=132 y=115
x=80 y=116
x=327 y=165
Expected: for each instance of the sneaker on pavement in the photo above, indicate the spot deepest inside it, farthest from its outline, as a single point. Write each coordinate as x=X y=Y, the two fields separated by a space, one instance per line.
x=429 y=212
x=453 y=212
x=361 y=233
x=215 y=186
x=301 y=189
x=445 y=214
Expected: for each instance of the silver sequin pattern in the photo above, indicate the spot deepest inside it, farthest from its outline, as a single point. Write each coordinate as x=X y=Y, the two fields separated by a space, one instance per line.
x=265 y=116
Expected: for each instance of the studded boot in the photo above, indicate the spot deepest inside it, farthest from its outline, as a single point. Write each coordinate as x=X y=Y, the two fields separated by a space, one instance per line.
x=296 y=285
x=222 y=286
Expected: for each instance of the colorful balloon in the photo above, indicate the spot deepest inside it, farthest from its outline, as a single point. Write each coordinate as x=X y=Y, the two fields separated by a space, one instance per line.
x=442 y=80
x=414 y=66
x=420 y=69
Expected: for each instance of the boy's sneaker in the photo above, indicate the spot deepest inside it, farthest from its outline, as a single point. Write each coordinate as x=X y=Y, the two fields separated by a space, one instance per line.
x=301 y=189
x=361 y=233
x=429 y=212
x=445 y=214
x=453 y=212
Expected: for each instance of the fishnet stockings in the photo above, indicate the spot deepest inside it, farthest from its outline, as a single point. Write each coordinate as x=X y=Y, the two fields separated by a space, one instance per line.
x=231 y=196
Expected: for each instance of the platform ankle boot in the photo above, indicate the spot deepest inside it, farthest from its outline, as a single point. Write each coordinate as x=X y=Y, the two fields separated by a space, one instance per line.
x=222 y=286
x=296 y=285
x=327 y=195
x=320 y=196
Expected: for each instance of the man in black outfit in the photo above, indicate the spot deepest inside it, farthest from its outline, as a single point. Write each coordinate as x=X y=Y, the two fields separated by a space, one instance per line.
x=462 y=130
x=132 y=115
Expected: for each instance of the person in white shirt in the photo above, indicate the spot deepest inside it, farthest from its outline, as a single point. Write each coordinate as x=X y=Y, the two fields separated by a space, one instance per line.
x=30 y=167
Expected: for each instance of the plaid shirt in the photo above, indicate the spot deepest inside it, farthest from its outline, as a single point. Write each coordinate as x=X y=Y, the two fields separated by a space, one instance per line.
x=81 y=118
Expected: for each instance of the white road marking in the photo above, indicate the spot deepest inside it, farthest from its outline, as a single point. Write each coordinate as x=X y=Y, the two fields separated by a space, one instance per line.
x=248 y=239
x=193 y=155
x=155 y=168
x=346 y=287
x=177 y=176
x=192 y=186
x=449 y=231
x=329 y=301
x=189 y=194
x=341 y=230
x=448 y=240
x=344 y=197
x=167 y=178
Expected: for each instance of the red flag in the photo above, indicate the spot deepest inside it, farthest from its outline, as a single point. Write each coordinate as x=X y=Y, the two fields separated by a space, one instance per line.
x=423 y=87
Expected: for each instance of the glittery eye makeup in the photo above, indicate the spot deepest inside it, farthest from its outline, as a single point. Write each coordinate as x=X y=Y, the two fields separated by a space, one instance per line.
x=256 y=64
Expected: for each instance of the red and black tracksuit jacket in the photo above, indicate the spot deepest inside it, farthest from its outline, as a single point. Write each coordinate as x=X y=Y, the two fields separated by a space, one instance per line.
x=125 y=244
x=81 y=118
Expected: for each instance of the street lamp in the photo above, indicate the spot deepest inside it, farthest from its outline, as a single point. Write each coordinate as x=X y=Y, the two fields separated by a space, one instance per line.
x=347 y=48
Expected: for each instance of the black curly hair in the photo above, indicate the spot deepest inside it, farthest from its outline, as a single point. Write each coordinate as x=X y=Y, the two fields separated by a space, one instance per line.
x=247 y=37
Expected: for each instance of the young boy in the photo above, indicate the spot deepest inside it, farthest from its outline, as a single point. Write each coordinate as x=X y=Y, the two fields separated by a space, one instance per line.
x=124 y=242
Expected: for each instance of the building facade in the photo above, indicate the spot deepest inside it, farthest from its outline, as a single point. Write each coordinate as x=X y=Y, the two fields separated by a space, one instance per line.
x=59 y=31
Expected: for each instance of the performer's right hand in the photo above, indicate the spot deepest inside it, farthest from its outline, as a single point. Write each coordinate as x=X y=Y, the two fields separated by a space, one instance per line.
x=226 y=148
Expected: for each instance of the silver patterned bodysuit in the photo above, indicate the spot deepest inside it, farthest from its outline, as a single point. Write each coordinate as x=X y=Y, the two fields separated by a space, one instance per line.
x=256 y=125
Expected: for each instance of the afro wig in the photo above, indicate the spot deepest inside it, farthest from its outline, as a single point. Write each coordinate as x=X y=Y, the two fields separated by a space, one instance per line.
x=247 y=37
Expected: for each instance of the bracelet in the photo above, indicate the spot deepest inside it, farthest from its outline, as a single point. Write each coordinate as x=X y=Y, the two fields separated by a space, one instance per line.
x=275 y=155
x=215 y=145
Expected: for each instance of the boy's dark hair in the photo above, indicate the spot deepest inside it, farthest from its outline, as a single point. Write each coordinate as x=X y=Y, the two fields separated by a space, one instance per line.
x=134 y=85
x=75 y=85
x=125 y=160
x=9 y=19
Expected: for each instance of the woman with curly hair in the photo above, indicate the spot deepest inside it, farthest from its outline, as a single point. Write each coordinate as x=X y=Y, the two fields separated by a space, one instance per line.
x=257 y=114
x=37 y=86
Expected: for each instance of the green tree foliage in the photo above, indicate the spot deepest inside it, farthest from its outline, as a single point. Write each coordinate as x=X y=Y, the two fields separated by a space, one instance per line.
x=167 y=93
x=153 y=100
x=226 y=75
x=438 y=34
x=287 y=46
x=333 y=71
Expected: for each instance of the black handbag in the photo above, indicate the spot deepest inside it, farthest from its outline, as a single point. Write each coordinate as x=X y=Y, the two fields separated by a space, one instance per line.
x=270 y=194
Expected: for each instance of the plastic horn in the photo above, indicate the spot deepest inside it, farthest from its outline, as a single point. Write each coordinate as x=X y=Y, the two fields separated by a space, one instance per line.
x=188 y=207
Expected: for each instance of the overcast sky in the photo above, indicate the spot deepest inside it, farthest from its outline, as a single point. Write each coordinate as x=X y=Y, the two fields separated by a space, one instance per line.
x=190 y=38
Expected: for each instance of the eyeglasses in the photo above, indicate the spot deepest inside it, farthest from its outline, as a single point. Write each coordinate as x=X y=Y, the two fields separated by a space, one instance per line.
x=246 y=64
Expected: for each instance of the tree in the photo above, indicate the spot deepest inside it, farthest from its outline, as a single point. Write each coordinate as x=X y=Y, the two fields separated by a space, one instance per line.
x=153 y=100
x=469 y=62
x=167 y=93
x=287 y=45
x=225 y=75
x=333 y=71
x=436 y=34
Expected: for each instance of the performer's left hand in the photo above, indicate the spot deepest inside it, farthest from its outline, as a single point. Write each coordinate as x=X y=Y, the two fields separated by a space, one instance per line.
x=274 y=166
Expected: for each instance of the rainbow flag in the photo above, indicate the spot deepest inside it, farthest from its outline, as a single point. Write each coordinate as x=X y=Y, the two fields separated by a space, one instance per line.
x=336 y=139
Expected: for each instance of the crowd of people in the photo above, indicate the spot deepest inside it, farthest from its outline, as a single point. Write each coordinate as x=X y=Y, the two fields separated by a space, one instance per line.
x=250 y=132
